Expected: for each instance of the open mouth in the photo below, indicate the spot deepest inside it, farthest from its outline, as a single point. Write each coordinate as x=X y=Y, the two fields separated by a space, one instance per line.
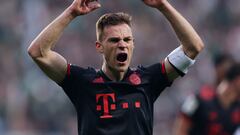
x=122 y=57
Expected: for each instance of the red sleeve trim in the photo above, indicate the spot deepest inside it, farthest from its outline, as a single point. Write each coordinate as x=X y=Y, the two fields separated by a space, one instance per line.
x=68 y=69
x=163 y=68
x=164 y=71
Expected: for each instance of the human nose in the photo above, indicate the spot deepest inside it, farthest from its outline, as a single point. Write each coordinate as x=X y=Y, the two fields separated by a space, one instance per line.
x=122 y=44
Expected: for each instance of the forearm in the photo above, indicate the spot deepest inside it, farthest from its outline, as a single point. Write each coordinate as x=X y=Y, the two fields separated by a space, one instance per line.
x=190 y=40
x=46 y=40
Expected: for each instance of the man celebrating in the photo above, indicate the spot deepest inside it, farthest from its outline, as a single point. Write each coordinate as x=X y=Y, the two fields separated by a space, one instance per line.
x=116 y=99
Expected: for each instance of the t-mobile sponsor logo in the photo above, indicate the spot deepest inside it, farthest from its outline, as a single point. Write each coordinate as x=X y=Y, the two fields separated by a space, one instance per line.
x=103 y=103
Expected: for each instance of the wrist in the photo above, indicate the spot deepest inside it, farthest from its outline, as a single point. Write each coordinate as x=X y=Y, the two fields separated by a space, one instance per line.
x=163 y=5
x=71 y=13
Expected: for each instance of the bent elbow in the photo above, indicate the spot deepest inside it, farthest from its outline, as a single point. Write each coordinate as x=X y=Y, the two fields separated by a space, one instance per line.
x=199 y=46
x=194 y=49
x=33 y=51
x=30 y=51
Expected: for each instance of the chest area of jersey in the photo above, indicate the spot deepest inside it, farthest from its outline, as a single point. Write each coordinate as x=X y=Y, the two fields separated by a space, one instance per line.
x=220 y=120
x=214 y=112
x=111 y=100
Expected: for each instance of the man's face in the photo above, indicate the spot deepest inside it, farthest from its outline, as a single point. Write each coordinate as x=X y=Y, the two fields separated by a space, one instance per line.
x=117 y=47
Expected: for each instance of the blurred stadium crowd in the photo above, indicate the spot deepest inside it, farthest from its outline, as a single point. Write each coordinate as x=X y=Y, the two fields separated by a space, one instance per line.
x=31 y=104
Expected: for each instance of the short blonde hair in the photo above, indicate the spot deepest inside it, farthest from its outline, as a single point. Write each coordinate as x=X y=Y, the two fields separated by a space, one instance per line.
x=111 y=19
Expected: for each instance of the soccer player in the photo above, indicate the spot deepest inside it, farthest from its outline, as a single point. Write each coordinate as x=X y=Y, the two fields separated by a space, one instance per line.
x=213 y=112
x=115 y=99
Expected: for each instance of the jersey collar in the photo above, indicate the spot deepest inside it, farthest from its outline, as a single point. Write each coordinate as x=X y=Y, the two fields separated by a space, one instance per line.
x=126 y=75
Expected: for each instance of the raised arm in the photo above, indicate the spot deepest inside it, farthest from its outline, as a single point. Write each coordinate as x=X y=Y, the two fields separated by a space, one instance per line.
x=52 y=63
x=191 y=43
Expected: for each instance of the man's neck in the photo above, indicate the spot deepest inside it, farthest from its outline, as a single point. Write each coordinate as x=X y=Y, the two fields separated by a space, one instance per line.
x=113 y=74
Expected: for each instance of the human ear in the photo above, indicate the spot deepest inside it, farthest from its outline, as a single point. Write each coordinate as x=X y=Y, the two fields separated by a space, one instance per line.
x=99 y=47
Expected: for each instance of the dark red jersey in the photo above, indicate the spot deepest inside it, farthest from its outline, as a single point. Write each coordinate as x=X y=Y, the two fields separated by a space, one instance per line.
x=106 y=107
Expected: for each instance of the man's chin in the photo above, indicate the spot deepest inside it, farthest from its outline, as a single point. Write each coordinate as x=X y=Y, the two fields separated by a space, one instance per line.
x=122 y=69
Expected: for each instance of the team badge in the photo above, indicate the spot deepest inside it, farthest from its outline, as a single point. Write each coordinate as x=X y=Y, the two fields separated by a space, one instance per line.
x=135 y=79
x=98 y=80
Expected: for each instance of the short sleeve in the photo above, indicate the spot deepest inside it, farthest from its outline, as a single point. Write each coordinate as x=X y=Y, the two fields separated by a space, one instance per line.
x=73 y=81
x=158 y=79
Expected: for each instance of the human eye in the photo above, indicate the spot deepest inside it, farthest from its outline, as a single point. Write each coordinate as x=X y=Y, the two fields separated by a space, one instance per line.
x=114 y=40
x=128 y=39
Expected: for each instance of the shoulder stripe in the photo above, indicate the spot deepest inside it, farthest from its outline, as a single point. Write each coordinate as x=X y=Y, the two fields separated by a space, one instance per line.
x=163 y=68
x=68 y=69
